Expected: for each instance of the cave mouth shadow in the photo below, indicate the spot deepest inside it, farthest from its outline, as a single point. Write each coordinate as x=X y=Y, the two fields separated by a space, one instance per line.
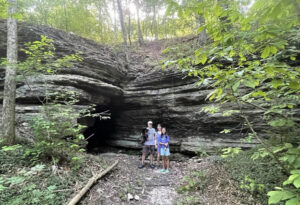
x=98 y=130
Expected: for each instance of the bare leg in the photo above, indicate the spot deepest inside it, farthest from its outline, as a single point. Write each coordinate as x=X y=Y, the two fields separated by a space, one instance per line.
x=158 y=156
x=143 y=159
x=168 y=162
x=163 y=162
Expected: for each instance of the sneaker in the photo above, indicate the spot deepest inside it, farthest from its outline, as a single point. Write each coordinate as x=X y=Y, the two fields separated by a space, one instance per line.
x=166 y=171
x=162 y=170
x=141 y=166
x=152 y=166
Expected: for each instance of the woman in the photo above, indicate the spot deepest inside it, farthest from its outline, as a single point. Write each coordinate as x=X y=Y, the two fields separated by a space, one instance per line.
x=164 y=150
x=157 y=145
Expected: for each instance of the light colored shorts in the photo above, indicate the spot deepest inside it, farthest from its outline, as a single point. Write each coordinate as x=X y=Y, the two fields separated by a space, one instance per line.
x=165 y=152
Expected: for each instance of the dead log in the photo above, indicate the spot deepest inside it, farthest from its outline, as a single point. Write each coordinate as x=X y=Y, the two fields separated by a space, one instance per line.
x=92 y=180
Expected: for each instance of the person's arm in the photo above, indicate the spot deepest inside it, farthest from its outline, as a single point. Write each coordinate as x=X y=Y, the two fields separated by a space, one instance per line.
x=161 y=143
x=168 y=140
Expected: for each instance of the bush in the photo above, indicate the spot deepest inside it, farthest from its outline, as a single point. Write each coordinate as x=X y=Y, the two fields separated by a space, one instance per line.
x=256 y=177
x=195 y=181
x=57 y=133
x=44 y=183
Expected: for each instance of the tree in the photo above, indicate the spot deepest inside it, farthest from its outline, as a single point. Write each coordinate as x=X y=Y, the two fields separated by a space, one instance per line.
x=251 y=61
x=140 y=35
x=122 y=22
x=9 y=95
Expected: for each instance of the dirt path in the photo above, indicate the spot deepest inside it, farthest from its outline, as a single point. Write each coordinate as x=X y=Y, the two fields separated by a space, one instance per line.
x=129 y=185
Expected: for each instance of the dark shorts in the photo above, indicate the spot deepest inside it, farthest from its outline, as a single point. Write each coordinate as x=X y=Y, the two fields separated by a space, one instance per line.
x=148 y=149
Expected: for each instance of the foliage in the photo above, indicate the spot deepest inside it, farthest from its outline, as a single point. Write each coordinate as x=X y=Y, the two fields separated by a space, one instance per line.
x=188 y=200
x=56 y=130
x=251 y=186
x=250 y=60
x=44 y=183
x=57 y=133
x=231 y=151
x=195 y=181
x=3 y=9
x=262 y=174
x=99 y=20
x=41 y=59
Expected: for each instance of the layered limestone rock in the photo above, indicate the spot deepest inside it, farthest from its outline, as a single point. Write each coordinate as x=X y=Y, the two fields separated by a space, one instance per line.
x=135 y=94
x=95 y=80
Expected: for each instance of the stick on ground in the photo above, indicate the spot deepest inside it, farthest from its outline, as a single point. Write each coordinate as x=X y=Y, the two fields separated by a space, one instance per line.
x=92 y=180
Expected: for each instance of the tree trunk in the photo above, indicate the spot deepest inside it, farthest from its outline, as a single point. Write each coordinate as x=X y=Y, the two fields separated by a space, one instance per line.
x=202 y=37
x=115 y=21
x=129 y=28
x=140 y=35
x=122 y=23
x=155 y=23
x=100 y=21
x=9 y=94
x=65 y=13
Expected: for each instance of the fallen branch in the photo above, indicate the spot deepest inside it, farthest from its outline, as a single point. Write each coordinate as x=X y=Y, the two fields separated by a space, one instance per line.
x=92 y=180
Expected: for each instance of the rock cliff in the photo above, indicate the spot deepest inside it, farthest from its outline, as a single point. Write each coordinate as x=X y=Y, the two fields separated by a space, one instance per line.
x=134 y=94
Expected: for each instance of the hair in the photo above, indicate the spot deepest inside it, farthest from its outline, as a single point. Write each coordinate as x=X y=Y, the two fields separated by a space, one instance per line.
x=162 y=130
x=159 y=125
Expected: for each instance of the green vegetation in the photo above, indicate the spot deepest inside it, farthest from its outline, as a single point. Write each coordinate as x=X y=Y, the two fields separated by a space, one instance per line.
x=257 y=177
x=248 y=59
x=247 y=51
x=194 y=181
x=22 y=182
x=45 y=170
x=99 y=19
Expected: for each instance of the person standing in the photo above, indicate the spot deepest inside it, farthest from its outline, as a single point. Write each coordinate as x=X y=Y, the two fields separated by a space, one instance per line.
x=149 y=145
x=157 y=145
x=165 y=150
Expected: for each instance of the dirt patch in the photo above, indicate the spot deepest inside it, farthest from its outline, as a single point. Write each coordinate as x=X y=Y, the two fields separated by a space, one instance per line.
x=129 y=185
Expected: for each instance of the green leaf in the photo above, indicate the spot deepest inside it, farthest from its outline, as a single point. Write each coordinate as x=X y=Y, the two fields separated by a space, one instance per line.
x=251 y=83
x=276 y=83
x=277 y=196
x=297 y=182
x=203 y=58
x=235 y=86
x=259 y=93
x=266 y=52
x=293 y=201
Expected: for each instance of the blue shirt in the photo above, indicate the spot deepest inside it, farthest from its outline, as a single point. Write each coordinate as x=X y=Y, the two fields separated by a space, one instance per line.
x=164 y=139
x=151 y=137
x=158 y=135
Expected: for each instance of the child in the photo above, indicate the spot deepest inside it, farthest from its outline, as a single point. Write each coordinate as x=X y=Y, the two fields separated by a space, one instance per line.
x=157 y=145
x=164 y=150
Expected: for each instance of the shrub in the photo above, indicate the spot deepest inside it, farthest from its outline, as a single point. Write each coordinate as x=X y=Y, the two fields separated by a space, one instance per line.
x=256 y=177
x=57 y=133
x=195 y=181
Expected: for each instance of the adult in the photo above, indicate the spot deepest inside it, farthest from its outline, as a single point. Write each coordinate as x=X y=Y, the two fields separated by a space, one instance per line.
x=149 y=145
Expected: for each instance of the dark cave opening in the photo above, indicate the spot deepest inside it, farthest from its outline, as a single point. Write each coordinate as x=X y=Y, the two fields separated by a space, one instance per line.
x=99 y=129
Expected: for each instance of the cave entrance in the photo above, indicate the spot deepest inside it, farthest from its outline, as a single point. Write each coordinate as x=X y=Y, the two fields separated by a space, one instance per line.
x=99 y=128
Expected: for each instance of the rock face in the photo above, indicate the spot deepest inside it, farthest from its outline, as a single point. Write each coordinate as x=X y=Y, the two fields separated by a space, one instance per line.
x=134 y=94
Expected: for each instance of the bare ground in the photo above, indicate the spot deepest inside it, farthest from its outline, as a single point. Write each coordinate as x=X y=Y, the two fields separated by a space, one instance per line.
x=129 y=185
